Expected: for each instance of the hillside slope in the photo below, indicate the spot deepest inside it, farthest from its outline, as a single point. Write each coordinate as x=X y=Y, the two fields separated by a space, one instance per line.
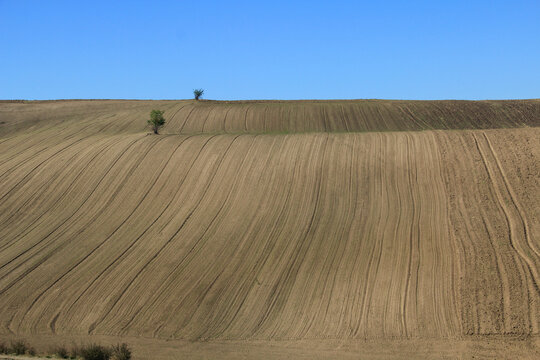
x=227 y=233
x=188 y=117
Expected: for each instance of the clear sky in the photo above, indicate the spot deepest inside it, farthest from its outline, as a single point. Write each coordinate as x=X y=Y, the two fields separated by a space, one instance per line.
x=475 y=49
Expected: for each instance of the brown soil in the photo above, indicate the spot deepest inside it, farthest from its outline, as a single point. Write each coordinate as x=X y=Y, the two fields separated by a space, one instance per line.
x=224 y=238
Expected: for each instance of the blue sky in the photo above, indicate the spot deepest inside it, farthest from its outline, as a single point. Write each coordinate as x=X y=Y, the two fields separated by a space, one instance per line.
x=270 y=49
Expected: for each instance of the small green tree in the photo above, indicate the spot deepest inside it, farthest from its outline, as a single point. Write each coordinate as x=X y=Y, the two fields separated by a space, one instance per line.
x=156 y=120
x=198 y=93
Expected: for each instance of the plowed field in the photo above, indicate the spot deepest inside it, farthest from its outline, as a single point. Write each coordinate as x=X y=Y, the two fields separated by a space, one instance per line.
x=307 y=229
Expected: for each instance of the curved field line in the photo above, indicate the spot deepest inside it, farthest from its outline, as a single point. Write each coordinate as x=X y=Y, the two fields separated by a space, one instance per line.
x=239 y=296
x=198 y=241
x=187 y=118
x=33 y=155
x=512 y=196
x=409 y=262
x=280 y=290
x=276 y=231
x=206 y=118
x=245 y=118
x=123 y=291
x=511 y=221
x=147 y=228
x=225 y=119
x=168 y=205
x=48 y=184
x=50 y=253
x=36 y=299
x=91 y=120
x=39 y=165
x=59 y=247
x=375 y=254
x=25 y=231
x=176 y=112
x=36 y=222
x=53 y=127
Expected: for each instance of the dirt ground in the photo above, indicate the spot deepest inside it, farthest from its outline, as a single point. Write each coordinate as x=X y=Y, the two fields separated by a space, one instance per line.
x=245 y=231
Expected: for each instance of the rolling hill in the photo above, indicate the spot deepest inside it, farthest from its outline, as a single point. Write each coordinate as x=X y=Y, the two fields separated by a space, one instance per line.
x=273 y=229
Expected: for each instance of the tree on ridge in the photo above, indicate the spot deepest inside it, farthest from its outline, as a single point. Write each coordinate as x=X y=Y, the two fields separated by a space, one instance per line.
x=198 y=93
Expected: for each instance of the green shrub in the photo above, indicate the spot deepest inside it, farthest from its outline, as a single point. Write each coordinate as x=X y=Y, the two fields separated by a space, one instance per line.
x=31 y=351
x=18 y=347
x=156 y=120
x=61 y=352
x=95 y=352
x=75 y=351
x=121 y=352
x=86 y=352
